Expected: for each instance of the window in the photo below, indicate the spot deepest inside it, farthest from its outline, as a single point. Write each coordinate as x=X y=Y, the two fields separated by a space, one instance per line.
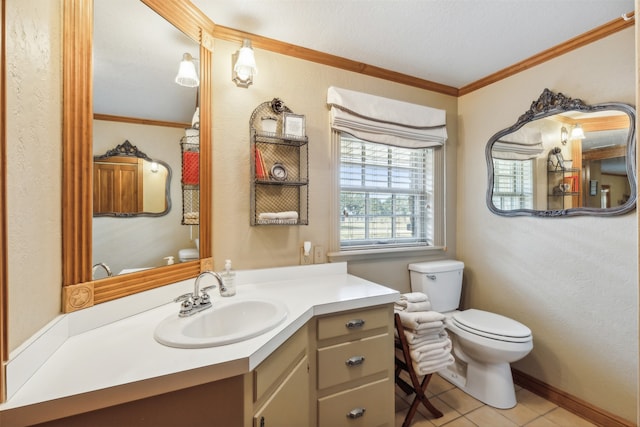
x=512 y=184
x=386 y=194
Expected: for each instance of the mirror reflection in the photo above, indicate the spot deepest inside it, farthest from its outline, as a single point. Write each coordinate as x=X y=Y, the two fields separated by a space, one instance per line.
x=564 y=157
x=136 y=99
x=127 y=182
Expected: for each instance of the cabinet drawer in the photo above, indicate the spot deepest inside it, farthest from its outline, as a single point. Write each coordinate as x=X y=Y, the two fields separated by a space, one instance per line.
x=279 y=363
x=376 y=399
x=343 y=325
x=355 y=359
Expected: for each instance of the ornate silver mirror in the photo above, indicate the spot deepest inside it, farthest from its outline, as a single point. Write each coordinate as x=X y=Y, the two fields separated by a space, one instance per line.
x=128 y=183
x=563 y=157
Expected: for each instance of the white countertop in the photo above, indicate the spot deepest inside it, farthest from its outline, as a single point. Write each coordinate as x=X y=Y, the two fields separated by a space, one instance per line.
x=124 y=352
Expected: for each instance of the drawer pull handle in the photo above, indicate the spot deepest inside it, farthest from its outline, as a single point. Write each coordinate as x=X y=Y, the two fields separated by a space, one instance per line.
x=356 y=413
x=355 y=361
x=355 y=323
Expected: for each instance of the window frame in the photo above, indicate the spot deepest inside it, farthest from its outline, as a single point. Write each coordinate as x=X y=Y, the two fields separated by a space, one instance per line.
x=437 y=238
x=516 y=198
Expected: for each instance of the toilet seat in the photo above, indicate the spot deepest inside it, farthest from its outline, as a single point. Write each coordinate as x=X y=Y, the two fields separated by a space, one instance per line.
x=491 y=325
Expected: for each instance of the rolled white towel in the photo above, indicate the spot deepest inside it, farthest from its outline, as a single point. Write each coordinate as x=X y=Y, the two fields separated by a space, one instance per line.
x=412 y=306
x=414 y=297
x=413 y=320
x=431 y=366
x=267 y=215
x=287 y=215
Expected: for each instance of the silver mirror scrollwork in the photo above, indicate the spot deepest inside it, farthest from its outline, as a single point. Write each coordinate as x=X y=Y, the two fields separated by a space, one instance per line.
x=564 y=157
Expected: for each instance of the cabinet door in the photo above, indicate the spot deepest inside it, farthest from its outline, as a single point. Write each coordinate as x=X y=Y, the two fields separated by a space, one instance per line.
x=289 y=404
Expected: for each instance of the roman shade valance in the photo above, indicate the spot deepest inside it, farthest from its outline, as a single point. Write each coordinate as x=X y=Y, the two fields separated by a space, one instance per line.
x=523 y=144
x=388 y=121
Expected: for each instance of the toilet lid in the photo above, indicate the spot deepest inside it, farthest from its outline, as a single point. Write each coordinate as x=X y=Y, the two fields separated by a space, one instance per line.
x=491 y=325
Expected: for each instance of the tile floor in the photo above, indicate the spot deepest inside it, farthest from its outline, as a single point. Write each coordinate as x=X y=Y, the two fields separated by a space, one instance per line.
x=461 y=410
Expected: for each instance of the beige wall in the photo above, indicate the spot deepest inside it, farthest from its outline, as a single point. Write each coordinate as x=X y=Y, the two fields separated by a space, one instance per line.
x=34 y=123
x=573 y=281
x=303 y=87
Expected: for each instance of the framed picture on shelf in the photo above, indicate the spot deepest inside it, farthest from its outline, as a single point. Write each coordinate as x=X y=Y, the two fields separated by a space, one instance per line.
x=293 y=124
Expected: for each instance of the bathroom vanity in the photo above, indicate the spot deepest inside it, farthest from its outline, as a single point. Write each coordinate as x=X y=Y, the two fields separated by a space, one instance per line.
x=330 y=363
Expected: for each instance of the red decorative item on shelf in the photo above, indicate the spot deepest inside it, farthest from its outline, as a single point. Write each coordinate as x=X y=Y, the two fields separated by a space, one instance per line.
x=190 y=168
x=261 y=171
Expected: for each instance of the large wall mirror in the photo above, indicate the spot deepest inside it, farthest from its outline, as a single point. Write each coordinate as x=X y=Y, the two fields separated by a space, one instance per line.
x=120 y=61
x=562 y=158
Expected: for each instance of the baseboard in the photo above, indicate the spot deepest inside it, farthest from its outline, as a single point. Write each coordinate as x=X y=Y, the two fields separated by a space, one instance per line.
x=570 y=403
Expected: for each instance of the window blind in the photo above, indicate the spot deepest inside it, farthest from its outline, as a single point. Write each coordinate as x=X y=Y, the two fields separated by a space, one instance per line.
x=386 y=194
x=523 y=144
x=388 y=121
x=512 y=184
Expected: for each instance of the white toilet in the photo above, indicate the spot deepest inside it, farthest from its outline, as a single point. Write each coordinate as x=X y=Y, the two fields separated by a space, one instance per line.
x=484 y=343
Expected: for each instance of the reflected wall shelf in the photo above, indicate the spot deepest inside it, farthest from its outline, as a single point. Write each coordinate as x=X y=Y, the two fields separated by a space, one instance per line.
x=190 y=180
x=563 y=188
x=279 y=169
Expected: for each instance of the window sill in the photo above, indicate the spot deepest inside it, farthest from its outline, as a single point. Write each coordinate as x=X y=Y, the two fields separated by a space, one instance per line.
x=360 y=254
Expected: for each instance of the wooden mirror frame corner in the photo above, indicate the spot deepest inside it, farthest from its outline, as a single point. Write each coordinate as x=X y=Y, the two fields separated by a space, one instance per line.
x=79 y=290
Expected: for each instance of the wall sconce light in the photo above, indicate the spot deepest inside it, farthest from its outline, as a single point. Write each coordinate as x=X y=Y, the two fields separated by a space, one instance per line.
x=154 y=167
x=564 y=135
x=577 y=132
x=187 y=74
x=244 y=65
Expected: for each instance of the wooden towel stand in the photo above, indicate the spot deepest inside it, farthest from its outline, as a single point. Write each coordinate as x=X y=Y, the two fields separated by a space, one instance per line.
x=416 y=386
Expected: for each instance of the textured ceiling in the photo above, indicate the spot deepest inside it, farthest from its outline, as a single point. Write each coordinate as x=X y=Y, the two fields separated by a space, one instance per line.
x=452 y=42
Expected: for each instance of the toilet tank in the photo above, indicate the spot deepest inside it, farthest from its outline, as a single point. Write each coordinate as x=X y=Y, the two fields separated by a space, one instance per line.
x=440 y=280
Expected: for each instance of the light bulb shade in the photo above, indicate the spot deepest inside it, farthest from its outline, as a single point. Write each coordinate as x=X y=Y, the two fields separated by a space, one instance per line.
x=577 y=132
x=245 y=65
x=187 y=74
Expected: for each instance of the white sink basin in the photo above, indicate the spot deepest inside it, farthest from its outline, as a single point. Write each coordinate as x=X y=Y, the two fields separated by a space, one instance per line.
x=227 y=322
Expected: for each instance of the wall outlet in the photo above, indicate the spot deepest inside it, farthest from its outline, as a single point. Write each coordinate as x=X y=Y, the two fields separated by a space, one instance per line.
x=318 y=255
x=306 y=260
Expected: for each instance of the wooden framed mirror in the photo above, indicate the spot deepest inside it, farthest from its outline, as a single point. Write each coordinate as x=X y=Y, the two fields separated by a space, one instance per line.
x=79 y=289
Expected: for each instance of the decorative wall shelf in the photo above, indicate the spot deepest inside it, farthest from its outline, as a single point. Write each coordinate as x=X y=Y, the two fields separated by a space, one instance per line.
x=190 y=147
x=279 y=169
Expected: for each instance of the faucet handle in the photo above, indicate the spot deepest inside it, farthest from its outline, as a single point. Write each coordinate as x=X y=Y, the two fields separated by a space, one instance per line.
x=183 y=297
x=205 y=298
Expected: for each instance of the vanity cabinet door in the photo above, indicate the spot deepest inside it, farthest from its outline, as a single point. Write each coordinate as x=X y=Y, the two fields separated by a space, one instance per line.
x=288 y=406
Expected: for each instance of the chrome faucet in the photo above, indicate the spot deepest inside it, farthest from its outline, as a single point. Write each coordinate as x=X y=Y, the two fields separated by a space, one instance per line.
x=198 y=300
x=103 y=265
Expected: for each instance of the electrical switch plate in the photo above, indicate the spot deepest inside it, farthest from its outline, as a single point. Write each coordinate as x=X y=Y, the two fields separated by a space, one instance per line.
x=318 y=255
x=306 y=260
